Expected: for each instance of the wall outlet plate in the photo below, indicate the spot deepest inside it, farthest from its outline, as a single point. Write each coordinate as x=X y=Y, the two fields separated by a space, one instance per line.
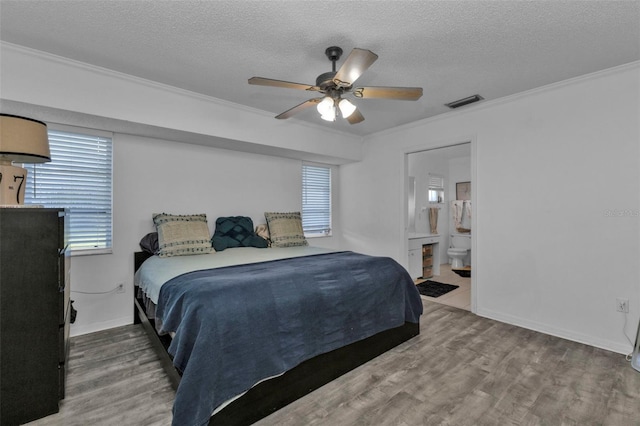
x=622 y=305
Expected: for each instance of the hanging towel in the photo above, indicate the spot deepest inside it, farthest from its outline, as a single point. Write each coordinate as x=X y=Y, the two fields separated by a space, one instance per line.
x=461 y=221
x=456 y=211
x=433 y=220
x=466 y=218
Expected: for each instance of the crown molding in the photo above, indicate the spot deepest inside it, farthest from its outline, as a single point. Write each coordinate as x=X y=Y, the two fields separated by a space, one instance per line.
x=162 y=87
x=511 y=98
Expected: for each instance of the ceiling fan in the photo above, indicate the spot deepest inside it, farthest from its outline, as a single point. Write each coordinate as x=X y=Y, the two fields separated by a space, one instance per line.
x=336 y=84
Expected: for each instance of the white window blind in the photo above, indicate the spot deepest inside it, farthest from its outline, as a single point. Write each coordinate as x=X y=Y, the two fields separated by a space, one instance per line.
x=79 y=179
x=436 y=182
x=436 y=189
x=316 y=200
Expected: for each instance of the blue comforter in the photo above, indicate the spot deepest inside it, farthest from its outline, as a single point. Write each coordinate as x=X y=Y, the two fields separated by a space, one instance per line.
x=240 y=324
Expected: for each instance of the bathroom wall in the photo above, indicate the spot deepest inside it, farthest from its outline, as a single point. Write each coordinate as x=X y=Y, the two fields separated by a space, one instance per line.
x=420 y=165
x=454 y=164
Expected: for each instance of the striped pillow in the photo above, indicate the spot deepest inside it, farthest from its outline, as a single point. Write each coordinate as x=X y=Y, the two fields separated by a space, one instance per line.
x=181 y=235
x=285 y=229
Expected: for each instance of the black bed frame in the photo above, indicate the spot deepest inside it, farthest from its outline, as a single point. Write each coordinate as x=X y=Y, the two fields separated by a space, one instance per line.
x=273 y=394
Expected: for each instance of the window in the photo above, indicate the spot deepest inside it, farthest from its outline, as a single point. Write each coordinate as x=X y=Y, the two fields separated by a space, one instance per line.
x=316 y=200
x=436 y=189
x=78 y=178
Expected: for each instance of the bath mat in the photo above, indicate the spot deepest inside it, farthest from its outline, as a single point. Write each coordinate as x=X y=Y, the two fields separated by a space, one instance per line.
x=434 y=288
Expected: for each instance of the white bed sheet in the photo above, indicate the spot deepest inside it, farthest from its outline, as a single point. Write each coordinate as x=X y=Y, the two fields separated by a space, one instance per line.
x=156 y=271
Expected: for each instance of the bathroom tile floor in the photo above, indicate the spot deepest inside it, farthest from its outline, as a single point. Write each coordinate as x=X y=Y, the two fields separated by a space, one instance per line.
x=458 y=298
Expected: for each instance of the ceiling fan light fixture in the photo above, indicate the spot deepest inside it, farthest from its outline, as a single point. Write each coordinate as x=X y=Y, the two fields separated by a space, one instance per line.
x=326 y=106
x=346 y=108
x=329 y=115
x=336 y=83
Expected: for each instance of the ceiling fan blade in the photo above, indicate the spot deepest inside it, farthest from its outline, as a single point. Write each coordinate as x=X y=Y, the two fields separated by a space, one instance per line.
x=358 y=61
x=261 y=81
x=296 y=109
x=400 y=93
x=355 y=117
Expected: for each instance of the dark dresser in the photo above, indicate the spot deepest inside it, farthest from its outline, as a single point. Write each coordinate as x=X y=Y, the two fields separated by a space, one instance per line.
x=34 y=313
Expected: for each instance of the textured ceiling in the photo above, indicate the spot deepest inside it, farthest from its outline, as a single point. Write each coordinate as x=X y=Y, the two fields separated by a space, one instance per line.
x=452 y=49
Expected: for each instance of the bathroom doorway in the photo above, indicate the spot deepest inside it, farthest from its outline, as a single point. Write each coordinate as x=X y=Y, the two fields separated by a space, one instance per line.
x=439 y=213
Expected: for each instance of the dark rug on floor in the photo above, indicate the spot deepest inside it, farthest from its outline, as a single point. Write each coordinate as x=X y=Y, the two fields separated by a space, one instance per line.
x=434 y=288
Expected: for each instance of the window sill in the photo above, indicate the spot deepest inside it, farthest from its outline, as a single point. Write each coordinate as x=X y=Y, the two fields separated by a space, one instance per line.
x=317 y=235
x=90 y=252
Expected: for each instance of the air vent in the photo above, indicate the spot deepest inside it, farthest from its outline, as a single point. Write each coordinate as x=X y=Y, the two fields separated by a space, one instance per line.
x=465 y=101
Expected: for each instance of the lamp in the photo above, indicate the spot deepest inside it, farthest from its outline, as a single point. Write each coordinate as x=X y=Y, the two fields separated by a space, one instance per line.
x=346 y=108
x=22 y=140
x=326 y=108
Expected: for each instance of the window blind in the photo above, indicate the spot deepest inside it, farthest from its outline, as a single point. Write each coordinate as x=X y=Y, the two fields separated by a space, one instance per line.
x=316 y=200
x=78 y=178
x=436 y=182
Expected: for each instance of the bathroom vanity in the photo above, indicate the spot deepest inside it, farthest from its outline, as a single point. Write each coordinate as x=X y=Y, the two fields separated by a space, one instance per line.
x=424 y=255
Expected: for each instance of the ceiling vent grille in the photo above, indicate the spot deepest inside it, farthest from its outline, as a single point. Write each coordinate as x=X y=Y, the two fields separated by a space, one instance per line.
x=464 y=101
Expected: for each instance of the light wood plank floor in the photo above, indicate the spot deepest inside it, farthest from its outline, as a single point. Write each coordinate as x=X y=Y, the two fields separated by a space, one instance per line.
x=461 y=370
x=114 y=378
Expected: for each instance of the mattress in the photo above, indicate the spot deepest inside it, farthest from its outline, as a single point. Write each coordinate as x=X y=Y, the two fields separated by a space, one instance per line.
x=156 y=271
x=246 y=314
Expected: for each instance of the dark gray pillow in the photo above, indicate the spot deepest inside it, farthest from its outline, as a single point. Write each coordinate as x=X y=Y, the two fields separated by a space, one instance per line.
x=149 y=243
x=236 y=231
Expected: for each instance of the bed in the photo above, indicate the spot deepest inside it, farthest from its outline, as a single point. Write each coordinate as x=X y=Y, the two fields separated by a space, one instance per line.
x=246 y=331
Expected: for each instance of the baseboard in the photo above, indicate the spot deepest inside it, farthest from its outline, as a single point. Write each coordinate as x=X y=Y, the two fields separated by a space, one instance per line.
x=556 y=331
x=80 y=329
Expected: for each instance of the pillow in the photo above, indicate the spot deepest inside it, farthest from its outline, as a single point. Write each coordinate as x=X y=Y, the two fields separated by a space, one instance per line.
x=285 y=229
x=262 y=231
x=149 y=243
x=180 y=235
x=235 y=231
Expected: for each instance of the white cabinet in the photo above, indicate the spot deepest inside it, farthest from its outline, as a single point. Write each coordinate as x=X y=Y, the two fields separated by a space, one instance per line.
x=424 y=256
x=415 y=263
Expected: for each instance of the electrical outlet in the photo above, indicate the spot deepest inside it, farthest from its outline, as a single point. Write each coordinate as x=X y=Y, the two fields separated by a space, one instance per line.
x=622 y=305
x=120 y=288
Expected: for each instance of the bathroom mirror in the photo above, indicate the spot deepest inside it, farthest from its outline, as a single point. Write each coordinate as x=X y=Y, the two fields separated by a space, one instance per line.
x=436 y=196
x=412 y=204
x=436 y=189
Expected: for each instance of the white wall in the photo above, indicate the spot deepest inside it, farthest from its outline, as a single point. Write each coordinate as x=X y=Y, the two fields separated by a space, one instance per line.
x=548 y=167
x=549 y=255
x=151 y=176
x=161 y=173
x=51 y=82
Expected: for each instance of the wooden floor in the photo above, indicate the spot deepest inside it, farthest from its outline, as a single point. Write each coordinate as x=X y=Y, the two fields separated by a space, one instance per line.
x=462 y=370
x=114 y=378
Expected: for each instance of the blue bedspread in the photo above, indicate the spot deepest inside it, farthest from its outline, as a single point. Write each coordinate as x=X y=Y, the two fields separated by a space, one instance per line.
x=240 y=324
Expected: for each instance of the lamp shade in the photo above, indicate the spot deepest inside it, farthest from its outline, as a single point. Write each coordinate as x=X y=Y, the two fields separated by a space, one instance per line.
x=23 y=140
x=346 y=108
x=329 y=116
x=326 y=106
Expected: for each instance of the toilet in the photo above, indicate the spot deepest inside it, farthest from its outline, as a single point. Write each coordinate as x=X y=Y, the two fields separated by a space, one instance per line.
x=460 y=248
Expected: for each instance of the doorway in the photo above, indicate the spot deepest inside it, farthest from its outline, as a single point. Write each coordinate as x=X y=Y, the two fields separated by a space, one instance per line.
x=440 y=209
